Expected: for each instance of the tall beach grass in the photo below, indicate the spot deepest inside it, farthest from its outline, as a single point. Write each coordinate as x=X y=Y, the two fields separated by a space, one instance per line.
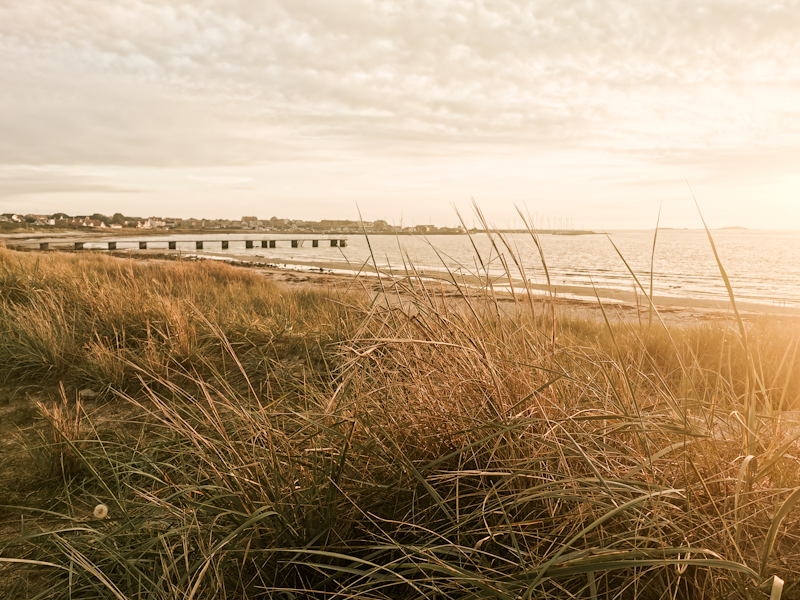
x=89 y=320
x=399 y=444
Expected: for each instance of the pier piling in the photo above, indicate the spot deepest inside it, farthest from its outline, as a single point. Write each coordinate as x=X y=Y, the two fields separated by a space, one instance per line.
x=78 y=245
x=142 y=245
x=112 y=245
x=198 y=245
x=44 y=246
x=248 y=244
x=173 y=245
x=334 y=243
x=224 y=244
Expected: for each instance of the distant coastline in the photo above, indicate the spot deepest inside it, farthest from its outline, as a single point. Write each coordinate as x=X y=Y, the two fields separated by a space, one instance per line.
x=734 y=227
x=49 y=232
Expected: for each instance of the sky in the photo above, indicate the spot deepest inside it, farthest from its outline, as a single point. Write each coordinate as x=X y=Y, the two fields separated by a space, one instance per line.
x=599 y=111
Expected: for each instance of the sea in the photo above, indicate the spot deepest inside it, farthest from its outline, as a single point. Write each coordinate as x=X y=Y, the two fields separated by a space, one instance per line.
x=763 y=266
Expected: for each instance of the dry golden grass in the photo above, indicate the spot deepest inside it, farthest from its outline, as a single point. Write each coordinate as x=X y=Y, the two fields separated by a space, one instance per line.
x=291 y=445
x=90 y=320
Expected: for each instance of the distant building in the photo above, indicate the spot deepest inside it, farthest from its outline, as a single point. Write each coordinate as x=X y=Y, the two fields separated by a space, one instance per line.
x=87 y=222
x=146 y=224
x=250 y=222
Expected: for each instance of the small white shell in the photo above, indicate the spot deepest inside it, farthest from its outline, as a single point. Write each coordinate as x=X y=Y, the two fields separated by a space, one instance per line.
x=100 y=511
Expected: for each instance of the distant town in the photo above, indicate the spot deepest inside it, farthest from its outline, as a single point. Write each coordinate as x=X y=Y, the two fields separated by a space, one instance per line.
x=98 y=222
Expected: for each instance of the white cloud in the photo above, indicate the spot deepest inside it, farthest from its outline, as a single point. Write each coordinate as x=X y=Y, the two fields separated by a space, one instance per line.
x=173 y=83
x=16 y=181
x=220 y=179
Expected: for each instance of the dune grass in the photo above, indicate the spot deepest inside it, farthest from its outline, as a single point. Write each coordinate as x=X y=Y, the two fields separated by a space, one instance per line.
x=88 y=320
x=285 y=443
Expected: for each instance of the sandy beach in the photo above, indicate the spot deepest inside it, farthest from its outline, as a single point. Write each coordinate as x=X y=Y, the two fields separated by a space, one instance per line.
x=572 y=300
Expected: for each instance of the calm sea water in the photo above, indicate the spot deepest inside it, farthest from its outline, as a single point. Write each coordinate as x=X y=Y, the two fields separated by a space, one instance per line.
x=764 y=266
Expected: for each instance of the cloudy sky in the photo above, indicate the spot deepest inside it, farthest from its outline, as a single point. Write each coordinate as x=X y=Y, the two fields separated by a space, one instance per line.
x=594 y=110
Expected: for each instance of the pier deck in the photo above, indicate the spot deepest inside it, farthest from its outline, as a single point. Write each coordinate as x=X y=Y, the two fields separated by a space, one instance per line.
x=152 y=243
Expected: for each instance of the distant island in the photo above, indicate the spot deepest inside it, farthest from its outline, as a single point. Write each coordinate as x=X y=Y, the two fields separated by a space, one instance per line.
x=735 y=227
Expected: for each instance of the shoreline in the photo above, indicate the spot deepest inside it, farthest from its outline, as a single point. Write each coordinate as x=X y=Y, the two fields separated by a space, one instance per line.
x=577 y=300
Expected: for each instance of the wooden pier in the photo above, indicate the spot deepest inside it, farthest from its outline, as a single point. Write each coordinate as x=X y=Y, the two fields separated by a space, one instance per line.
x=166 y=244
